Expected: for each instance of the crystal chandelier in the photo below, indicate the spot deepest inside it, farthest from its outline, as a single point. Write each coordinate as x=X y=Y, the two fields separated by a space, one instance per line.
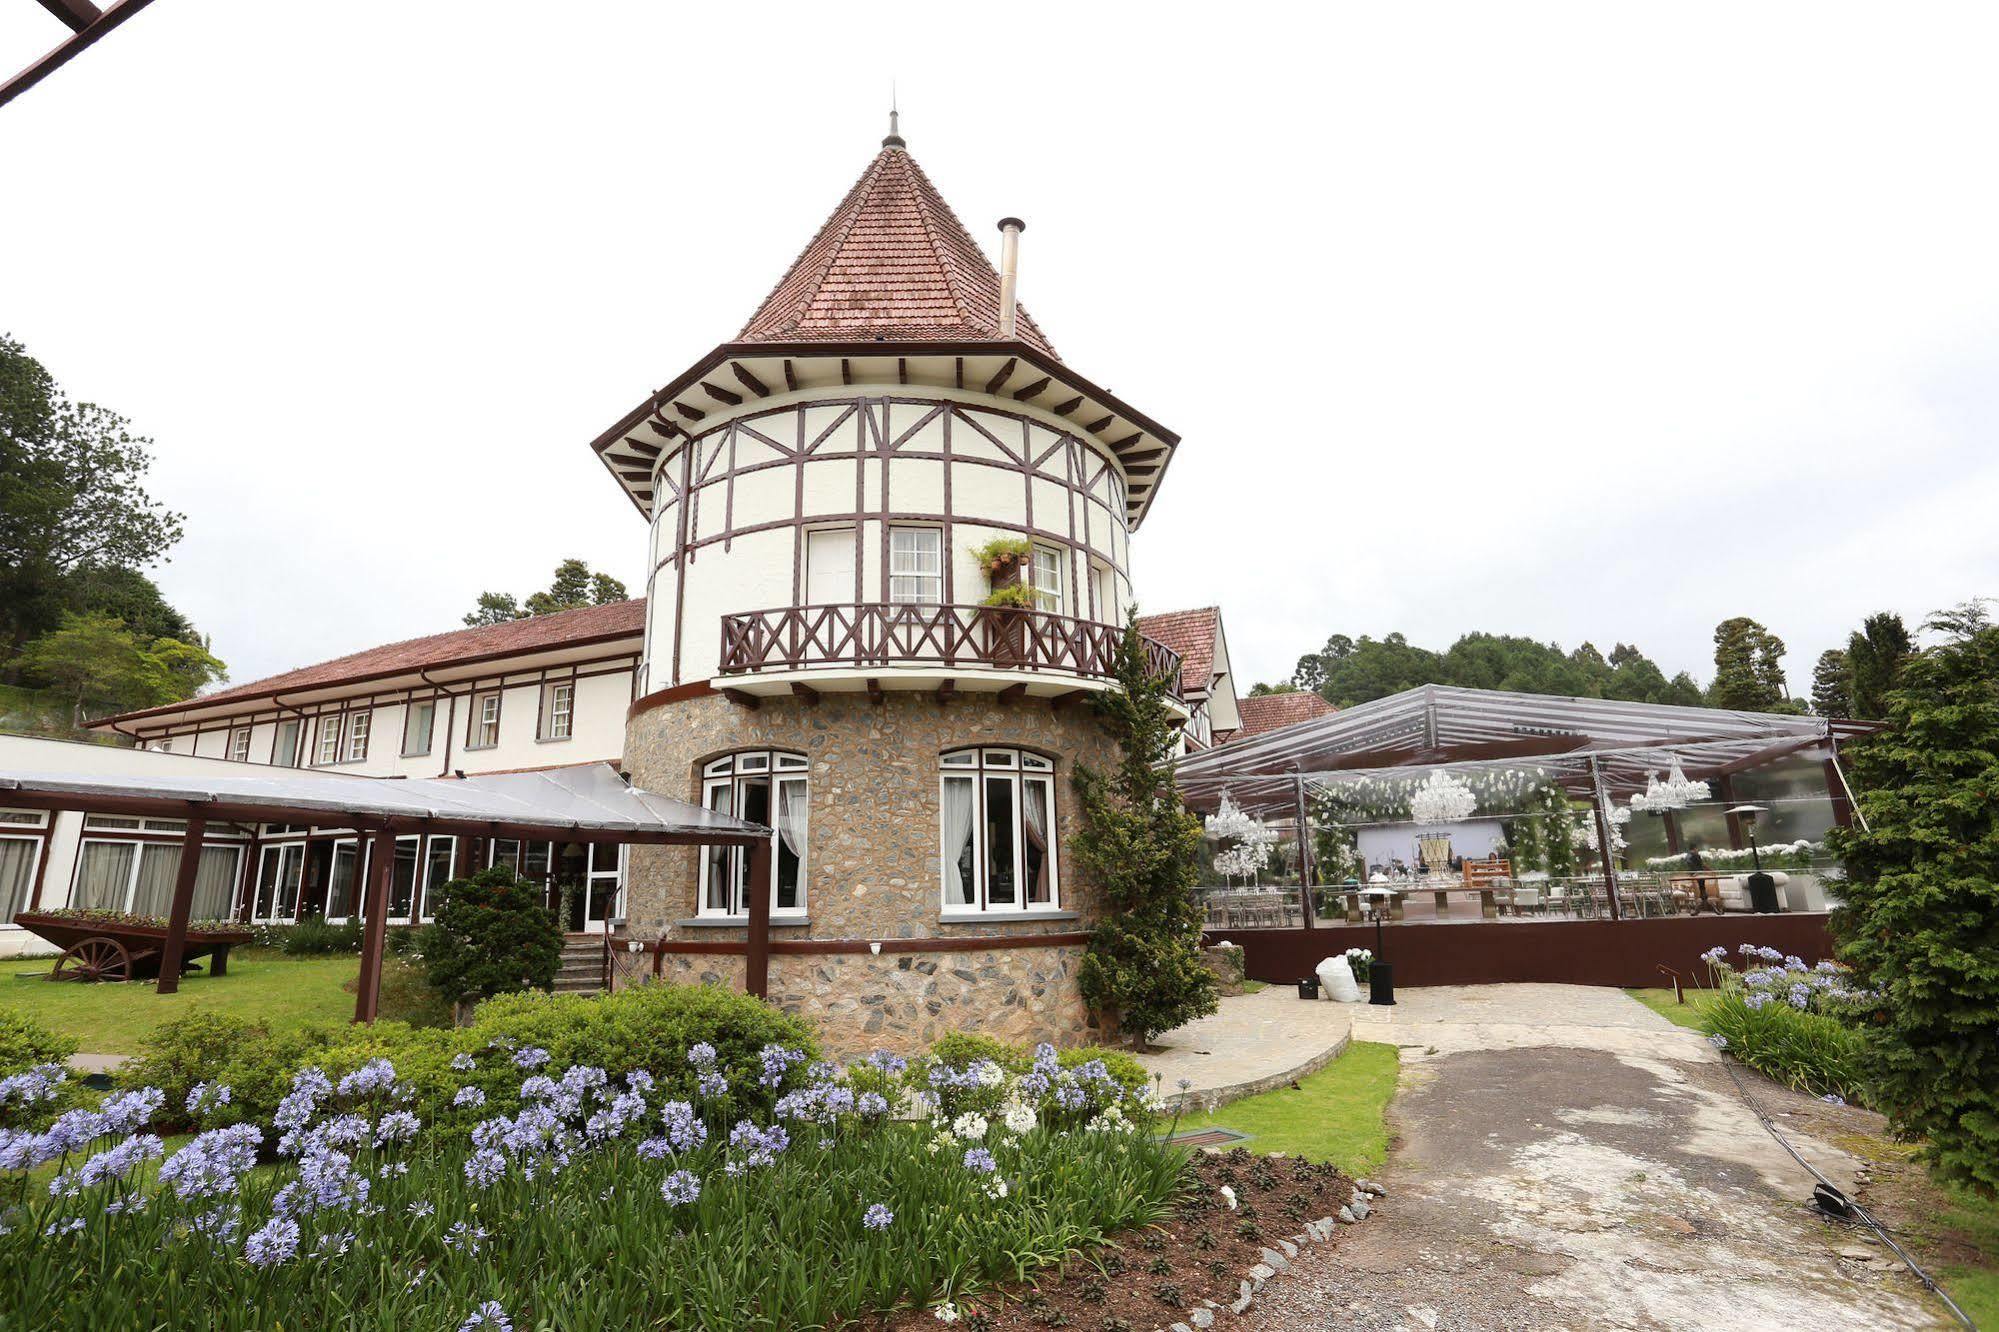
x=1676 y=792
x=1442 y=799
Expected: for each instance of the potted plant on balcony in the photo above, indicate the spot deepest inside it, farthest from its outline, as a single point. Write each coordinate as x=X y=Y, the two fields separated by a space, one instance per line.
x=1005 y=560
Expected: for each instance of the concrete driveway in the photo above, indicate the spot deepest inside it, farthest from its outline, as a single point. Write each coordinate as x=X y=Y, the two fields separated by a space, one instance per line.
x=1569 y=1159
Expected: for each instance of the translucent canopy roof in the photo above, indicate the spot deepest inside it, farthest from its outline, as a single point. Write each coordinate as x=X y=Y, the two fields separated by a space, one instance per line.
x=584 y=803
x=1445 y=726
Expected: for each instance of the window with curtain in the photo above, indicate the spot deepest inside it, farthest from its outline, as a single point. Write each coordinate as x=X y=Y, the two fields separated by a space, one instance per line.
x=419 y=721
x=997 y=810
x=139 y=877
x=104 y=875
x=285 y=752
x=17 y=873
x=342 y=896
x=767 y=787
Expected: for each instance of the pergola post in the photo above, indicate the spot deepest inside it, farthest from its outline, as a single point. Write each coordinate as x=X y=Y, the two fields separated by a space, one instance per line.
x=1726 y=788
x=1835 y=786
x=1671 y=823
x=1305 y=866
x=375 y=923
x=1605 y=835
x=175 y=947
x=756 y=955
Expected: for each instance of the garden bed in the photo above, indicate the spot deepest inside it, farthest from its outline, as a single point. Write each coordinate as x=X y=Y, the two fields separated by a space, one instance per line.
x=1197 y=1257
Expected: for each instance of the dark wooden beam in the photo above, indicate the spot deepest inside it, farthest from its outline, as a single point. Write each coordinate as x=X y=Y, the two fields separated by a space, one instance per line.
x=1005 y=373
x=1013 y=693
x=1061 y=701
x=635 y=474
x=1034 y=390
x=691 y=413
x=790 y=376
x=805 y=692
x=846 y=371
x=748 y=380
x=874 y=690
x=666 y=429
x=958 y=372
x=78 y=14
x=375 y=927
x=742 y=699
x=1120 y=445
x=1143 y=455
x=642 y=448
x=902 y=370
x=74 y=45
x=1100 y=424
x=721 y=395
x=175 y=947
x=1064 y=408
x=756 y=953
x=947 y=690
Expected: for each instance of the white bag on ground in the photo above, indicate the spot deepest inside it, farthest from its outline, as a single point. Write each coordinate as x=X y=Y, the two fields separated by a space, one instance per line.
x=1336 y=981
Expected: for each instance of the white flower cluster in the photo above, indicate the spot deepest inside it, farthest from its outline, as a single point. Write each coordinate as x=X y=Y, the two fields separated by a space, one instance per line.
x=1252 y=837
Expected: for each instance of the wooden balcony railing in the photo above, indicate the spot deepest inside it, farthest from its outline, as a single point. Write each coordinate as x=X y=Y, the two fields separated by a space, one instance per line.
x=1000 y=638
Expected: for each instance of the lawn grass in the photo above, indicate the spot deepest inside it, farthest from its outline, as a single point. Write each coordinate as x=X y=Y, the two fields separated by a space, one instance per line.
x=1974 y=1221
x=1662 y=1003
x=1333 y=1115
x=261 y=984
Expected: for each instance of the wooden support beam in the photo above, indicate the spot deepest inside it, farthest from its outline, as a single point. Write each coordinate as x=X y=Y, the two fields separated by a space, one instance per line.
x=790 y=376
x=1013 y=693
x=1034 y=390
x=874 y=690
x=743 y=698
x=375 y=926
x=722 y=395
x=1102 y=423
x=1061 y=701
x=175 y=947
x=749 y=381
x=78 y=14
x=846 y=371
x=691 y=413
x=947 y=690
x=902 y=370
x=665 y=429
x=1005 y=373
x=756 y=954
x=805 y=693
x=1064 y=408
x=79 y=40
x=642 y=448
x=958 y=372
x=1143 y=456
x=1122 y=444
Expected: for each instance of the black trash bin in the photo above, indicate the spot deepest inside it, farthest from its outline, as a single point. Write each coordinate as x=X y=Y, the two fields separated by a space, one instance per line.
x=1763 y=892
x=1381 y=984
x=1308 y=988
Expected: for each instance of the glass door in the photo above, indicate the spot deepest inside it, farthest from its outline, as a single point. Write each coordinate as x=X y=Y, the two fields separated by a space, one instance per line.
x=603 y=887
x=278 y=874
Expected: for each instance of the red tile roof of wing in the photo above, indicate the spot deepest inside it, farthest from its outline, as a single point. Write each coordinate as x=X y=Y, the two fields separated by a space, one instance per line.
x=540 y=633
x=1191 y=633
x=1270 y=712
x=892 y=262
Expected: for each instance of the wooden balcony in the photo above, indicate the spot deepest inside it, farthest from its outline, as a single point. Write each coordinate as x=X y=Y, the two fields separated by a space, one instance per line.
x=877 y=635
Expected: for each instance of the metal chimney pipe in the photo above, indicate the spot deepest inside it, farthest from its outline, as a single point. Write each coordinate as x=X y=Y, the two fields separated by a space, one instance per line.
x=1010 y=229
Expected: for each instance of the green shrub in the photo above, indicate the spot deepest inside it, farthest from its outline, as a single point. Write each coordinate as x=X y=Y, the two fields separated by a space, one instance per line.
x=315 y=936
x=26 y=1044
x=1812 y=1052
x=962 y=1049
x=191 y=1049
x=1126 y=1071
x=407 y=996
x=492 y=936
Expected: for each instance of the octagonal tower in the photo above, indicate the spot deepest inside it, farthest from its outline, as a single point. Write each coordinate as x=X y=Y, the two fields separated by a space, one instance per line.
x=890 y=553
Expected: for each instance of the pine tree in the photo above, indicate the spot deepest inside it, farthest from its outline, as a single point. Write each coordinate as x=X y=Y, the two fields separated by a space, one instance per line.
x=1143 y=969
x=1748 y=667
x=1919 y=922
x=1832 y=685
x=1874 y=656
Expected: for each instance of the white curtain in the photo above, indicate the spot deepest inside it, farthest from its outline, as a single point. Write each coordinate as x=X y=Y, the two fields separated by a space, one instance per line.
x=157 y=867
x=791 y=816
x=17 y=874
x=959 y=804
x=1034 y=803
x=104 y=875
x=215 y=883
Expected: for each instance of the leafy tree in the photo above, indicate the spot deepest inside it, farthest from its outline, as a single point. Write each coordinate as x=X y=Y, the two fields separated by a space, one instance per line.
x=573 y=586
x=492 y=935
x=132 y=597
x=1143 y=969
x=1919 y=922
x=1832 y=685
x=71 y=497
x=1874 y=656
x=1748 y=667
x=1347 y=672
x=100 y=666
x=1261 y=690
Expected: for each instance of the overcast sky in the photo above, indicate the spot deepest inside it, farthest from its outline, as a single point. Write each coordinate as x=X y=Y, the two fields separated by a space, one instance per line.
x=1579 y=321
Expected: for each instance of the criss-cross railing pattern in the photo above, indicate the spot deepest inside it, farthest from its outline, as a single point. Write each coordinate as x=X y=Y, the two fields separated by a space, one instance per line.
x=877 y=634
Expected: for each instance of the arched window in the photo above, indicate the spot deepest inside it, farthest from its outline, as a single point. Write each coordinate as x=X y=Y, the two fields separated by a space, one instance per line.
x=768 y=787
x=999 y=840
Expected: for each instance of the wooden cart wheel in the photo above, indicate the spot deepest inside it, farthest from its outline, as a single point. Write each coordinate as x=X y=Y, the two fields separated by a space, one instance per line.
x=98 y=958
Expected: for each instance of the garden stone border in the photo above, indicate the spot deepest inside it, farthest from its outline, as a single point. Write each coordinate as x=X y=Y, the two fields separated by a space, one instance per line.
x=1273 y=1260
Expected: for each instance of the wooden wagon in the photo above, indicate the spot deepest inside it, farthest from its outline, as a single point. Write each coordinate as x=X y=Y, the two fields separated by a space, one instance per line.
x=114 y=950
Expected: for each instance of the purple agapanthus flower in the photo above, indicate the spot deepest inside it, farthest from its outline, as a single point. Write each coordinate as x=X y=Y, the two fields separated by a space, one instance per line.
x=681 y=1188
x=878 y=1217
x=488 y=1315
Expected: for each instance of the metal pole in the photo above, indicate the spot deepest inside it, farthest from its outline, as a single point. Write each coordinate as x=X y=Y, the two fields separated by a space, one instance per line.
x=1600 y=797
x=1306 y=870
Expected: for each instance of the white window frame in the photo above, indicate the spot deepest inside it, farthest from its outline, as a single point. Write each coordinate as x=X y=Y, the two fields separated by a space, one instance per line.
x=327 y=744
x=239 y=744
x=415 y=745
x=1047 y=598
x=1018 y=768
x=558 y=710
x=359 y=724
x=278 y=757
x=726 y=775
x=139 y=847
x=477 y=721
x=921 y=586
x=39 y=849
x=264 y=854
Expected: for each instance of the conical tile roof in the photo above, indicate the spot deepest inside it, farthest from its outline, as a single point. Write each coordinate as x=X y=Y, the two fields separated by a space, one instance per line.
x=893 y=264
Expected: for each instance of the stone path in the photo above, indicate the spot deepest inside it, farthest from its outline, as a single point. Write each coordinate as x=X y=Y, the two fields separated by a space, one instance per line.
x=1568 y=1159
x=1252 y=1043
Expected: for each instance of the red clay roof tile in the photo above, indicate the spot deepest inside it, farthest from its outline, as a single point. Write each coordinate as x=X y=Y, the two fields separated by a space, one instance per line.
x=1270 y=712
x=1191 y=633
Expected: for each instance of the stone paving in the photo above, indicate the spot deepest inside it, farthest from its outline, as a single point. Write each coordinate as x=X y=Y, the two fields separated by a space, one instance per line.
x=1252 y=1043
x=1565 y=1158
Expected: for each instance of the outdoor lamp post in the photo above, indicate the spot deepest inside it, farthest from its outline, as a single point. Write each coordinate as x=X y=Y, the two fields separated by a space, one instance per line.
x=1762 y=888
x=1380 y=975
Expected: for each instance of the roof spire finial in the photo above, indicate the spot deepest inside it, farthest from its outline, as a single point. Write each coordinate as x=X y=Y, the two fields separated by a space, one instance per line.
x=894 y=139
